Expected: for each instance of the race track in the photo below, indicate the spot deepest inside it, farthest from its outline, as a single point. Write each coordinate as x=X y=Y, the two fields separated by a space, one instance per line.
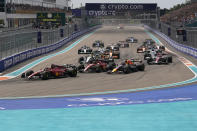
x=154 y=75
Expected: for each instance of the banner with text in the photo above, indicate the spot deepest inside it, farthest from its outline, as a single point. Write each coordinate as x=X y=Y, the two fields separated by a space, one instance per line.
x=120 y=6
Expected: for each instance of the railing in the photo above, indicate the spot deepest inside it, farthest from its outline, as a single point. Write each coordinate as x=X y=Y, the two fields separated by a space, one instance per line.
x=171 y=32
x=180 y=47
x=21 y=45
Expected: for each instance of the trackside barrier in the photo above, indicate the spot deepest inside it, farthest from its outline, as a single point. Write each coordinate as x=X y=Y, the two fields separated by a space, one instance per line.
x=183 y=48
x=23 y=56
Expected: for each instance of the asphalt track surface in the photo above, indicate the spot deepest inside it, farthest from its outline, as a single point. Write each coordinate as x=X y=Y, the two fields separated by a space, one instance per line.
x=154 y=75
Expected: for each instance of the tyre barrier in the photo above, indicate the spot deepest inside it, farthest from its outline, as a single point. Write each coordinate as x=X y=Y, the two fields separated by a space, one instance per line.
x=26 y=55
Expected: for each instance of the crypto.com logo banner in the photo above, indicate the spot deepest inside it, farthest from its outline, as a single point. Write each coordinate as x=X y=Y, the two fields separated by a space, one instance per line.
x=101 y=13
x=120 y=7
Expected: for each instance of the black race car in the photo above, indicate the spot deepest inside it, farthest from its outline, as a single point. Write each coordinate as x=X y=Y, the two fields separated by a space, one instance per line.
x=129 y=66
x=131 y=40
x=98 y=43
x=85 y=50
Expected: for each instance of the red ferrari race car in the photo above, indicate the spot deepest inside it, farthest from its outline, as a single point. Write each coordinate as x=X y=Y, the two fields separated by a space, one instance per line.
x=55 y=71
x=97 y=66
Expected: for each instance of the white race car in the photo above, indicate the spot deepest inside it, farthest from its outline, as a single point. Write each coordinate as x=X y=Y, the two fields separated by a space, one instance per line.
x=85 y=50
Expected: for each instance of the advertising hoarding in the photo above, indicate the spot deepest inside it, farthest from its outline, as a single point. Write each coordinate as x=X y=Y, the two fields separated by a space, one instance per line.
x=52 y=17
x=120 y=6
x=117 y=9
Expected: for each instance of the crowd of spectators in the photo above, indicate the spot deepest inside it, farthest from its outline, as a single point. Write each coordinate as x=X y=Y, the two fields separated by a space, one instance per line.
x=27 y=8
x=184 y=15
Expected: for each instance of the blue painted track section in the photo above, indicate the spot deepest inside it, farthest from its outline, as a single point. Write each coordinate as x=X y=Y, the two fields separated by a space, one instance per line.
x=156 y=96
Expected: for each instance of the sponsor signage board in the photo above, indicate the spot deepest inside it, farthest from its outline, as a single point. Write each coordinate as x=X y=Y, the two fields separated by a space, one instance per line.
x=76 y=12
x=120 y=6
x=52 y=17
x=112 y=9
x=101 y=13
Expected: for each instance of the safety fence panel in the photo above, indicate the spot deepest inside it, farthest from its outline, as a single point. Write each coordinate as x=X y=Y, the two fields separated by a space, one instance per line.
x=42 y=49
x=171 y=31
x=180 y=47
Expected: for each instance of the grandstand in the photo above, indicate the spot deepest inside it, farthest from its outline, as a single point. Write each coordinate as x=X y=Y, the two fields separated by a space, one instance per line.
x=19 y=12
x=186 y=14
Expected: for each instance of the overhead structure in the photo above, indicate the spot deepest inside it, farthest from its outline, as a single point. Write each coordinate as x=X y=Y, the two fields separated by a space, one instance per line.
x=122 y=10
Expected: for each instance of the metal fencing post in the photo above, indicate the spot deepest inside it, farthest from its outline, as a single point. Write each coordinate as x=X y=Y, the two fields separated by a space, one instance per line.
x=39 y=38
x=61 y=32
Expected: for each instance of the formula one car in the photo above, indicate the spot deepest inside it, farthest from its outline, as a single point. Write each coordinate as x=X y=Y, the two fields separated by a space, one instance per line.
x=147 y=45
x=158 y=57
x=131 y=40
x=97 y=65
x=98 y=43
x=149 y=41
x=141 y=49
x=55 y=71
x=113 y=47
x=111 y=54
x=150 y=53
x=85 y=50
x=112 y=51
x=129 y=66
x=123 y=44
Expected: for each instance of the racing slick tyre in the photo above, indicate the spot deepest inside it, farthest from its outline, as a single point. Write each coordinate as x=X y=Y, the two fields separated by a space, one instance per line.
x=170 y=59
x=73 y=73
x=118 y=56
x=98 y=69
x=126 y=70
x=45 y=76
x=141 y=67
x=111 y=66
x=133 y=68
x=28 y=73
x=149 y=61
x=163 y=61
x=81 y=59
x=79 y=52
x=23 y=75
x=81 y=68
